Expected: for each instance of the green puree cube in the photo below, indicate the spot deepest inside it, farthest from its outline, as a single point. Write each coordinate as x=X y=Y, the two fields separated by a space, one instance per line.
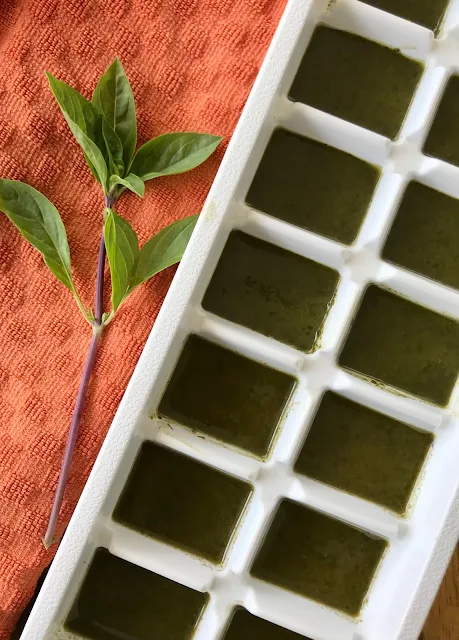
x=425 y=235
x=356 y=79
x=182 y=502
x=313 y=186
x=273 y=291
x=427 y=13
x=363 y=452
x=404 y=345
x=227 y=396
x=318 y=557
x=443 y=139
x=245 y=626
x=121 y=600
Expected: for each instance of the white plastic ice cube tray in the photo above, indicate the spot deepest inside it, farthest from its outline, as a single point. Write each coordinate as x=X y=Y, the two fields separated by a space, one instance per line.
x=421 y=544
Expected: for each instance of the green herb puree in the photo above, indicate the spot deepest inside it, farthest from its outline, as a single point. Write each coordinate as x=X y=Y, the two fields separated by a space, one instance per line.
x=425 y=235
x=182 y=502
x=245 y=626
x=270 y=290
x=404 y=345
x=357 y=80
x=443 y=139
x=313 y=186
x=227 y=396
x=363 y=452
x=428 y=13
x=121 y=600
x=318 y=557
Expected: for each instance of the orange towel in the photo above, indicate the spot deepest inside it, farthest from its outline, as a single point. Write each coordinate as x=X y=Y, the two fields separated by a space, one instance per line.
x=191 y=64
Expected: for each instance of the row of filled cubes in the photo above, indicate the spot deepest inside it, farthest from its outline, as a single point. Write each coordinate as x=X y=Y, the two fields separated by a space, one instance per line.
x=327 y=191
x=241 y=403
x=197 y=508
x=304 y=551
x=147 y=606
x=285 y=296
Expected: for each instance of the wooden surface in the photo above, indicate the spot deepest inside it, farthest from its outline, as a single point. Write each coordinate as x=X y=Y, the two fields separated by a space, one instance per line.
x=443 y=621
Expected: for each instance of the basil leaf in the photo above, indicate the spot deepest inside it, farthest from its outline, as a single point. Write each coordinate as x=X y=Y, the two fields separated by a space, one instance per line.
x=114 y=149
x=122 y=252
x=91 y=167
x=173 y=153
x=129 y=267
x=40 y=223
x=131 y=182
x=85 y=123
x=113 y=98
x=163 y=250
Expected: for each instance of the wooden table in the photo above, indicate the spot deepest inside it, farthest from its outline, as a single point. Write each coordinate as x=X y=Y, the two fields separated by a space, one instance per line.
x=443 y=621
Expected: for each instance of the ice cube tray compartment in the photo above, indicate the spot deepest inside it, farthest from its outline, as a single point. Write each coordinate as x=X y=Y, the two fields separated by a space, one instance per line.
x=272 y=291
x=313 y=186
x=245 y=626
x=418 y=545
x=145 y=603
x=363 y=452
x=424 y=237
x=221 y=394
x=427 y=13
x=181 y=502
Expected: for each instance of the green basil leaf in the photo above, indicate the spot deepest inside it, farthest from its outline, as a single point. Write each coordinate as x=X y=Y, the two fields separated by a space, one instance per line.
x=114 y=149
x=173 y=153
x=91 y=167
x=163 y=250
x=40 y=223
x=85 y=123
x=113 y=98
x=122 y=252
x=131 y=182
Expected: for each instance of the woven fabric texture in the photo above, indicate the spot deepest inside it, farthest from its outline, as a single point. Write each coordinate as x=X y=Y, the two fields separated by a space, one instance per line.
x=191 y=64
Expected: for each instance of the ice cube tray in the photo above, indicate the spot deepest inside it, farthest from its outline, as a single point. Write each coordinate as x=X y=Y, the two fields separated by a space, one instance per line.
x=419 y=544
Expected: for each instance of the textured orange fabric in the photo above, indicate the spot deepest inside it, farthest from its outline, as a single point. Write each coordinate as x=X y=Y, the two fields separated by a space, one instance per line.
x=191 y=64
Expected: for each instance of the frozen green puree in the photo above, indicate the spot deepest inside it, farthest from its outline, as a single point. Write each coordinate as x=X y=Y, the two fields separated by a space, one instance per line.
x=443 y=139
x=318 y=557
x=425 y=235
x=363 y=452
x=356 y=79
x=245 y=626
x=404 y=345
x=119 y=600
x=227 y=396
x=313 y=186
x=271 y=290
x=427 y=13
x=182 y=502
